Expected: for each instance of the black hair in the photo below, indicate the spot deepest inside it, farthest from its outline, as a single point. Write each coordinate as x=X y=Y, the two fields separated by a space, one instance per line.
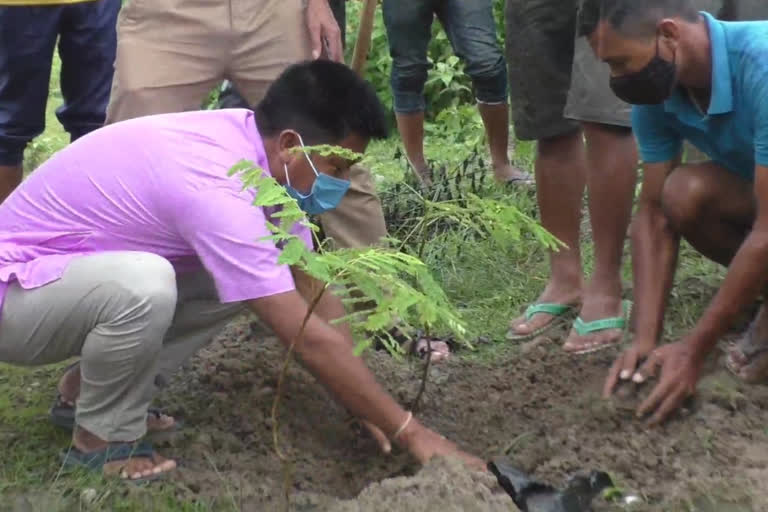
x=324 y=101
x=632 y=17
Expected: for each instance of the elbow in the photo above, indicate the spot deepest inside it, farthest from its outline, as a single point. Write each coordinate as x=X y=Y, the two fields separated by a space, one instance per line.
x=758 y=240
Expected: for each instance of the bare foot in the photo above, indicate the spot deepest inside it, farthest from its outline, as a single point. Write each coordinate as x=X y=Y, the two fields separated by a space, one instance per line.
x=596 y=308
x=438 y=350
x=69 y=385
x=748 y=357
x=424 y=175
x=139 y=467
x=554 y=294
x=133 y=468
x=509 y=173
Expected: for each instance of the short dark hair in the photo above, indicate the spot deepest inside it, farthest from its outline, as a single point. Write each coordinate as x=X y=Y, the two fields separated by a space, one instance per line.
x=632 y=17
x=324 y=101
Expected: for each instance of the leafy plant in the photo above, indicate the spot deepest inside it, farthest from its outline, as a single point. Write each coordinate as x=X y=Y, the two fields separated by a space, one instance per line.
x=480 y=217
x=399 y=284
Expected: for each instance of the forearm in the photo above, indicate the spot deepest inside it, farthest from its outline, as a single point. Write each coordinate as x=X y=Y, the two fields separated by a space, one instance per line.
x=328 y=355
x=329 y=307
x=655 y=249
x=746 y=278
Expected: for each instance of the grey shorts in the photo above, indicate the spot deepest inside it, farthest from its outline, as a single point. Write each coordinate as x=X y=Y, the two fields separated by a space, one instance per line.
x=555 y=80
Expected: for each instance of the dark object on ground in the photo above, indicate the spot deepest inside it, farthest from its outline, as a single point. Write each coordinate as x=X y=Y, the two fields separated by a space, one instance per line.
x=532 y=496
x=230 y=98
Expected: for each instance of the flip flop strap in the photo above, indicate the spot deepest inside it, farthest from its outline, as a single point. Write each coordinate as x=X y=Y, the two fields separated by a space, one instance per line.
x=583 y=328
x=112 y=453
x=549 y=308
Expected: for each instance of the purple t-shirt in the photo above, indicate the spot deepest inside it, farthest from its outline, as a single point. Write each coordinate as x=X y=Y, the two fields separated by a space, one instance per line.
x=156 y=184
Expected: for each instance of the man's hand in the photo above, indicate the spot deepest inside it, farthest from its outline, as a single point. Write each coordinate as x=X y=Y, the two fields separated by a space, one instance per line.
x=680 y=371
x=424 y=444
x=625 y=366
x=324 y=33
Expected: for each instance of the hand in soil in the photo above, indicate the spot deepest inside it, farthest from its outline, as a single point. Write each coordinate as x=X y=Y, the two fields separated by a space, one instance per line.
x=424 y=444
x=680 y=371
x=625 y=366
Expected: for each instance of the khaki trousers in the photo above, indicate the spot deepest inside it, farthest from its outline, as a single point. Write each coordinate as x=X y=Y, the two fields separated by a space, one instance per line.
x=130 y=319
x=171 y=53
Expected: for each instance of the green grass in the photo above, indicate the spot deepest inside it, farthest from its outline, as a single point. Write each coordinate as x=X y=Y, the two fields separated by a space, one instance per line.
x=490 y=282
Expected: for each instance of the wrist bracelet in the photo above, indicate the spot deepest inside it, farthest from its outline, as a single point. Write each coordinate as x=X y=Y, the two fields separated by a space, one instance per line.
x=403 y=426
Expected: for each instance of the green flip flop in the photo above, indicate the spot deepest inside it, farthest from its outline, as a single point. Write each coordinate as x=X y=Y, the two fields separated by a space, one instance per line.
x=559 y=312
x=583 y=328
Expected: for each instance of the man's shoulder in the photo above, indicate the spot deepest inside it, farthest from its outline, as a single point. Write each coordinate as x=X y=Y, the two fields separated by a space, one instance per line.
x=748 y=42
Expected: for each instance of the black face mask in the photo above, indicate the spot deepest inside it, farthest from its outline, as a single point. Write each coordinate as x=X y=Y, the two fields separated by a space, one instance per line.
x=650 y=86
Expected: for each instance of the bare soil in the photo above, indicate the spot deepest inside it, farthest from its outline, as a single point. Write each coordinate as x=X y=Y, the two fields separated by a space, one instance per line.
x=540 y=405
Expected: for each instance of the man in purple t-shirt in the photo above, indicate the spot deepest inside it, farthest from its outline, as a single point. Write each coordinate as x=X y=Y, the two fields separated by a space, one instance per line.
x=132 y=247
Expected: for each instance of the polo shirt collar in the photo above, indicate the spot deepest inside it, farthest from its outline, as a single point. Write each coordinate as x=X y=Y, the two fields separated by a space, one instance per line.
x=721 y=101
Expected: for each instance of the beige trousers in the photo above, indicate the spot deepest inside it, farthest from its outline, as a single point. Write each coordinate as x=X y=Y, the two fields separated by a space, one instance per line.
x=171 y=53
x=130 y=319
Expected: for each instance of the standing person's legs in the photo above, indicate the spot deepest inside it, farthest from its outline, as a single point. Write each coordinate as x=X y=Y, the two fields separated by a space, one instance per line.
x=408 y=25
x=472 y=31
x=87 y=48
x=113 y=310
x=27 y=41
x=611 y=176
x=539 y=49
x=272 y=37
x=170 y=54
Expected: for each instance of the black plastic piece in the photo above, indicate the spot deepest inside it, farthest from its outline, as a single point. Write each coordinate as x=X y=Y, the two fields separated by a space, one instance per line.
x=532 y=496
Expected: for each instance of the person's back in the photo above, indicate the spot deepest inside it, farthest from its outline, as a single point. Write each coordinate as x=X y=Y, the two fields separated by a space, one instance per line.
x=144 y=194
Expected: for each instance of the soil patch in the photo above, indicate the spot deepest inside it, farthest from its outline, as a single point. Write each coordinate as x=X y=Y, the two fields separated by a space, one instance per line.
x=543 y=407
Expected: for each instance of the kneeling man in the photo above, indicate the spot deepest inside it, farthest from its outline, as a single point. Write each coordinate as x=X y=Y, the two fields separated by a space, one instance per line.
x=691 y=78
x=132 y=247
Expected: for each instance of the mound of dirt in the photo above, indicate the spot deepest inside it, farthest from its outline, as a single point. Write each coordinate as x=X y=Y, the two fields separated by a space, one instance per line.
x=443 y=485
x=541 y=406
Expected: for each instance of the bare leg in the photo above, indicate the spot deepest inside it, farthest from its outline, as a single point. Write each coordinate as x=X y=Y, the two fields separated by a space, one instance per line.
x=560 y=179
x=496 y=121
x=714 y=211
x=411 y=127
x=711 y=208
x=10 y=178
x=611 y=178
x=748 y=358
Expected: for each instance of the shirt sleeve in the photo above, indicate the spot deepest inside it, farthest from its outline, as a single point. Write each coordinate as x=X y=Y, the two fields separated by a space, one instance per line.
x=757 y=87
x=225 y=231
x=656 y=140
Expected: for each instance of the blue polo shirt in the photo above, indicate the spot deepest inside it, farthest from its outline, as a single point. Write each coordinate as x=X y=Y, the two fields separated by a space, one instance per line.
x=734 y=131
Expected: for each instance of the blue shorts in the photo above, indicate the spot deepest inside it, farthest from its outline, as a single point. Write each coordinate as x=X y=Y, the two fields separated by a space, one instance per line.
x=87 y=44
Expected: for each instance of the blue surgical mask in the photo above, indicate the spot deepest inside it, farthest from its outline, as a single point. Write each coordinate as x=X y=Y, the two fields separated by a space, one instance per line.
x=326 y=192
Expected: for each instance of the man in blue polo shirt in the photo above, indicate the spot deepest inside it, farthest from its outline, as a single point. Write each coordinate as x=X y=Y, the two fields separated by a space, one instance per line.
x=691 y=78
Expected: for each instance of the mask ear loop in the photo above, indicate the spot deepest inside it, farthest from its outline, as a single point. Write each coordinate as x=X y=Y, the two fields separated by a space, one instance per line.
x=306 y=155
